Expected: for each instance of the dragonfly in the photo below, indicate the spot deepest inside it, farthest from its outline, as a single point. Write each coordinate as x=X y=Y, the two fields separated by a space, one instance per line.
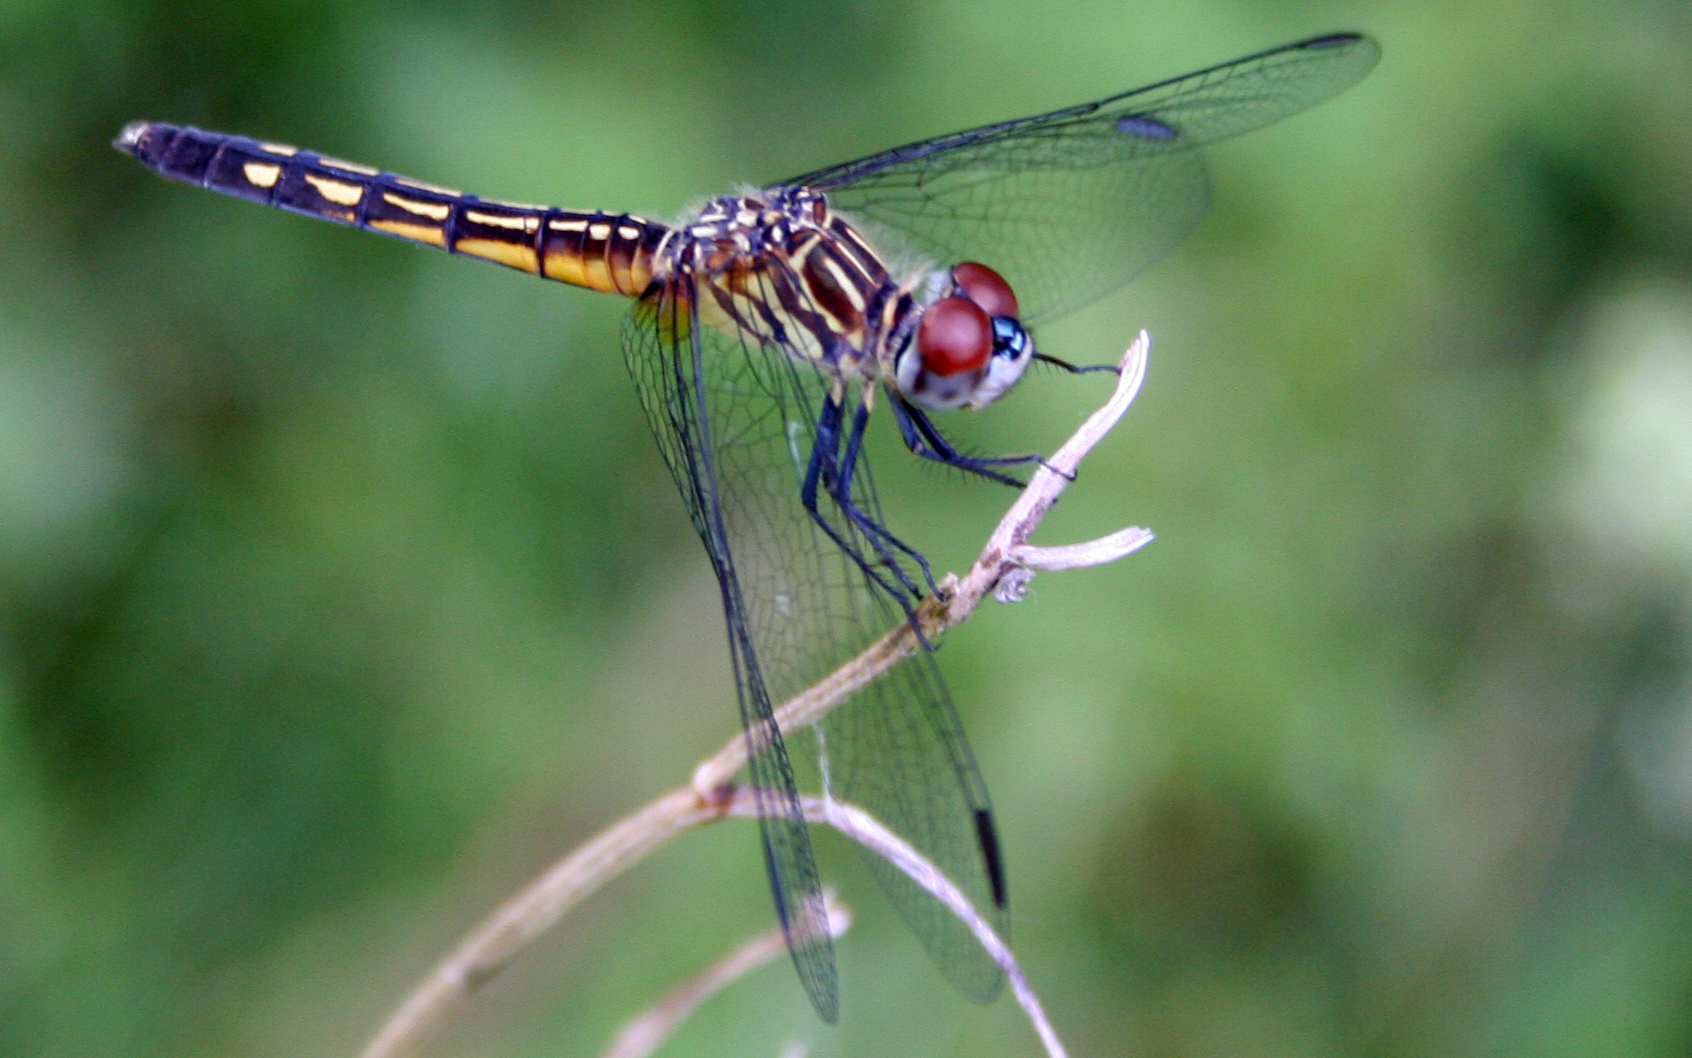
x=765 y=329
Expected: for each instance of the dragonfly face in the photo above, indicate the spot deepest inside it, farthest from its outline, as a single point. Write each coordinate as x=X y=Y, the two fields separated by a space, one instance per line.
x=970 y=346
x=760 y=331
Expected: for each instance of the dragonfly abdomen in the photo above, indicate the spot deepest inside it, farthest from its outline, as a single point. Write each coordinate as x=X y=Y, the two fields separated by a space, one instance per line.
x=607 y=252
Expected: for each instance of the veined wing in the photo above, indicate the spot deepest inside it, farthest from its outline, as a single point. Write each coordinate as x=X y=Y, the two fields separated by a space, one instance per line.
x=702 y=418
x=1069 y=205
x=736 y=420
x=900 y=752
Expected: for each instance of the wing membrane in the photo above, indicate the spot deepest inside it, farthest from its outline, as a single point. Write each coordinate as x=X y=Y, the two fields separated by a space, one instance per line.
x=901 y=754
x=736 y=420
x=1070 y=204
x=703 y=428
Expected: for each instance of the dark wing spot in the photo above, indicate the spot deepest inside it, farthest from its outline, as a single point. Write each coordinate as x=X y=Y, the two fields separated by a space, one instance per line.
x=1150 y=128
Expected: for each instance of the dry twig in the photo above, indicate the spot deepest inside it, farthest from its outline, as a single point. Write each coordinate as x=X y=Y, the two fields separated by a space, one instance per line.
x=868 y=831
x=646 y=1033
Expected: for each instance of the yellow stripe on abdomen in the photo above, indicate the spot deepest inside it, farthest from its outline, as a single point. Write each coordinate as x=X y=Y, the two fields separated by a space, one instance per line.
x=601 y=251
x=607 y=252
x=498 y=233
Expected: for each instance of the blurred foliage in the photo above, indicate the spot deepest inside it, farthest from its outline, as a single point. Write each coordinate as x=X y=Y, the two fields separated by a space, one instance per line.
x=341 y=586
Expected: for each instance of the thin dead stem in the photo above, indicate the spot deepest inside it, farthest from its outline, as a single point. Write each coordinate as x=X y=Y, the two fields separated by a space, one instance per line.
x=543 y=902
x=646 y=1033
x=868 y=831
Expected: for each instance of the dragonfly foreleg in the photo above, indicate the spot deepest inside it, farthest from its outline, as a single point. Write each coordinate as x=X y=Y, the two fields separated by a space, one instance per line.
x=923 y=438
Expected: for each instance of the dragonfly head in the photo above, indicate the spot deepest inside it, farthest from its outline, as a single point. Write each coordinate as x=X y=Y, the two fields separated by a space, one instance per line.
x=970 y=346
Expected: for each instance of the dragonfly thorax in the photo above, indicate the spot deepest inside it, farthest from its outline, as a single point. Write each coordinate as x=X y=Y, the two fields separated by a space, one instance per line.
x=780 y=268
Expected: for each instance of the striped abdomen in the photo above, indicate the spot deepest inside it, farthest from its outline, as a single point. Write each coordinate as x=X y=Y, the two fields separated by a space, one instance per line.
x=608 y=252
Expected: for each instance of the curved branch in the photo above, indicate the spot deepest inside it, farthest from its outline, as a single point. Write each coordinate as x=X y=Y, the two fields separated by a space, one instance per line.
x=646 y=1033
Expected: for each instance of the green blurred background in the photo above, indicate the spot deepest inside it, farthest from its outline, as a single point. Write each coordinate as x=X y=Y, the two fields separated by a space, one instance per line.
x=341 y=586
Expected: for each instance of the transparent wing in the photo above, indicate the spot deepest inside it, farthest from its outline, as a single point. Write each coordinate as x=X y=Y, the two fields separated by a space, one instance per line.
x=1071 y=204
x=736 y=420
x=703 y=423
x=900 y=753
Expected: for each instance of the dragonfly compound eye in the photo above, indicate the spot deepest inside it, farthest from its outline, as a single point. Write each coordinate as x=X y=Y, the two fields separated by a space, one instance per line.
x=1010 y=341
x=986 y=288
x=955 y=336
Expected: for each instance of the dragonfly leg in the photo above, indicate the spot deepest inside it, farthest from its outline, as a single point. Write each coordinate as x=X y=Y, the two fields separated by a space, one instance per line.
x=824 y=473
x=843 y=495
x=923 y=438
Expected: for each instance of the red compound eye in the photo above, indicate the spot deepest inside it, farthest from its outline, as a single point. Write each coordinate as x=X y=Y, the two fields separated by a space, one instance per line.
x=954 y=336
x=986 y=288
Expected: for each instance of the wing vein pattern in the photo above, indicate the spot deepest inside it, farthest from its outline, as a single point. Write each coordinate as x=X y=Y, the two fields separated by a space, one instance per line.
x=1071 y=204
x=736 y=418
